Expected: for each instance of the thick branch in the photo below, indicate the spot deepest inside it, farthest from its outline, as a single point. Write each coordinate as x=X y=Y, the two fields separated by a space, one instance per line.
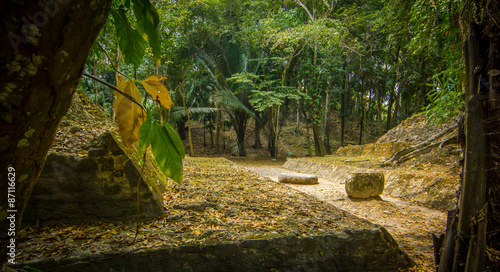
x=115 y=89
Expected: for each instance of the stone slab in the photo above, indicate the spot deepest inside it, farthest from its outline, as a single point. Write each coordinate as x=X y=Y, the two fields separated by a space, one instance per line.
x=297 y=178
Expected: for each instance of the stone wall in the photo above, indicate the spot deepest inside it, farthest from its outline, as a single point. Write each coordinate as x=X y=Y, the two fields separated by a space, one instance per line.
x=101 y=186
x=349 y=249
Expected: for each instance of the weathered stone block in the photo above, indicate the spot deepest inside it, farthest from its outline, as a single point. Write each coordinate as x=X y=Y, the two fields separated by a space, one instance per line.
x=298 y=178
x=364 y=185
x=102 y=186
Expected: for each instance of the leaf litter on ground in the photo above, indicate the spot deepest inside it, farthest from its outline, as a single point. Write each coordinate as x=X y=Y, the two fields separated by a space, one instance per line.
x=216 y=202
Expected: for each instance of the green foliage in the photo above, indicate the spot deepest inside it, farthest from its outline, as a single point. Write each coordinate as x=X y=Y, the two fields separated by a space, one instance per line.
x=446 y=98
x=166 y=145
x=132 y=39
x=147 y=23
x=131 y=43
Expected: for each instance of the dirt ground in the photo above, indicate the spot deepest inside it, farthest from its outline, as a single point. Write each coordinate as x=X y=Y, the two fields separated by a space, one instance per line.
x=410 y=225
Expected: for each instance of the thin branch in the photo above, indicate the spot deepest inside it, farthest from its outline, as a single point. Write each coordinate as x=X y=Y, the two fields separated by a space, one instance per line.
x=115 y=89
x=111 y=62
x=305 y=8
x=352 y=49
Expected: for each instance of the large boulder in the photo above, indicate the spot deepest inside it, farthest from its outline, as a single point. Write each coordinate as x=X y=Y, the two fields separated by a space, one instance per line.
x=297 y=178
x=365 y=185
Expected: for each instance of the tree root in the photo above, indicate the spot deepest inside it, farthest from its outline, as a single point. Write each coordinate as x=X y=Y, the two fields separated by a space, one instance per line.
x=413 y=151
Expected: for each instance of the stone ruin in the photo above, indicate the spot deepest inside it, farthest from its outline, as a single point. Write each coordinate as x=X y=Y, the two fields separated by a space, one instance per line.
x=101 y=186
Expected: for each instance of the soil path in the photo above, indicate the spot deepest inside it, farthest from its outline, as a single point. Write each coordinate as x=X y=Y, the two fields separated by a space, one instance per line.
x=410 y=225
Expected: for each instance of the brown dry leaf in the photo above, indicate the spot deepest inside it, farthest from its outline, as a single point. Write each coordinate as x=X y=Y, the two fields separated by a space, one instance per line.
x=157 y=90
x=128 y=114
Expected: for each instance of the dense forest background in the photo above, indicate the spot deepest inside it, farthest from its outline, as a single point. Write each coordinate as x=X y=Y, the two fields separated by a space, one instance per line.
x=229 y=63
x=234 y=62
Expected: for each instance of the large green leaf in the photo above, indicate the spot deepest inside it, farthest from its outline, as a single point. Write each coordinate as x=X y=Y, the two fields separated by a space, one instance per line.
x=175 y=139
x=147 y=133
x=148 y=25
x=168 y=152
x=131 y=43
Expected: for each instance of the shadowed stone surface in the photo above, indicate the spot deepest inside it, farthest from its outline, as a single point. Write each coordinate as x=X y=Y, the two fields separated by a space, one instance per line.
x=365 y=185
x=350 y=249
x=101 y=186
x=298 y=178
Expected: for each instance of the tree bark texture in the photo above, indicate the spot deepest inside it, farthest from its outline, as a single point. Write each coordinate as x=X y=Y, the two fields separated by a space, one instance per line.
x=342 y=118
x=473 y=195
x=361 y=121
x=258 y=127
x=44 y=48
x=389 y=111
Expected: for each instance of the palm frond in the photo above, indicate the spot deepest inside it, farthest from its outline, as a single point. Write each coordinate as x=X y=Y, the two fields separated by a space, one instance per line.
x=178 y=112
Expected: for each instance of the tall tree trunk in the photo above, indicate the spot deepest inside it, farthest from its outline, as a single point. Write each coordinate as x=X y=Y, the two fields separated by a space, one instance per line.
x=395 y=117
x=478 y=218
x=389 y=111
x=319 y=148
x=38 y=77
x=240 y=125
x=326 y=129
x=308 y=135
x=361 y=121
x=258 y=128
x=271 y=144
x=473 y=194
x=379 y=112
x=297 y=124
x=342 y=118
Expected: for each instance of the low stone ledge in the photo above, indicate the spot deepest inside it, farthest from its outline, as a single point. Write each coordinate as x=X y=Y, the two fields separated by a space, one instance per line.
x=352 y=249
x=298 y=179
x=436 y=191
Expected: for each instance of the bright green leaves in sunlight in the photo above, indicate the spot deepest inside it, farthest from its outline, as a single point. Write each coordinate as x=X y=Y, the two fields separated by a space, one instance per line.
x=166 y=145
x=157 y=90
x=129 y=115
x=132 y=39
x=147 y=24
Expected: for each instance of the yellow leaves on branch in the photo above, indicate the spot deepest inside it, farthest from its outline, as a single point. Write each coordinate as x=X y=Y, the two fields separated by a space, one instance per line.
x=129 y=115
x=157 y=90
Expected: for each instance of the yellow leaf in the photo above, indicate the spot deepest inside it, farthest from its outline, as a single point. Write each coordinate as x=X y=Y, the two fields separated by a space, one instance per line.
x=128 y=114
x=157 y=90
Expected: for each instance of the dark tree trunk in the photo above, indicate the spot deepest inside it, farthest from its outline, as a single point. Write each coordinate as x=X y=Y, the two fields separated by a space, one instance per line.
x=319 y=148
x=240 y=125
x=271 y=144
x=37 y=79
x=389 y=111
x=361 y=121
x=473 y=195
x=308 y=135
x=326 y=129
x=395 y=117
x=342 y=118
x=379 y=112
x=478 y=220
x=258 y=127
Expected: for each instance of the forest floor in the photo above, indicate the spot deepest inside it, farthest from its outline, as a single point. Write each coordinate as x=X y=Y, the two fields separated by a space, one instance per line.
x=411 y=225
